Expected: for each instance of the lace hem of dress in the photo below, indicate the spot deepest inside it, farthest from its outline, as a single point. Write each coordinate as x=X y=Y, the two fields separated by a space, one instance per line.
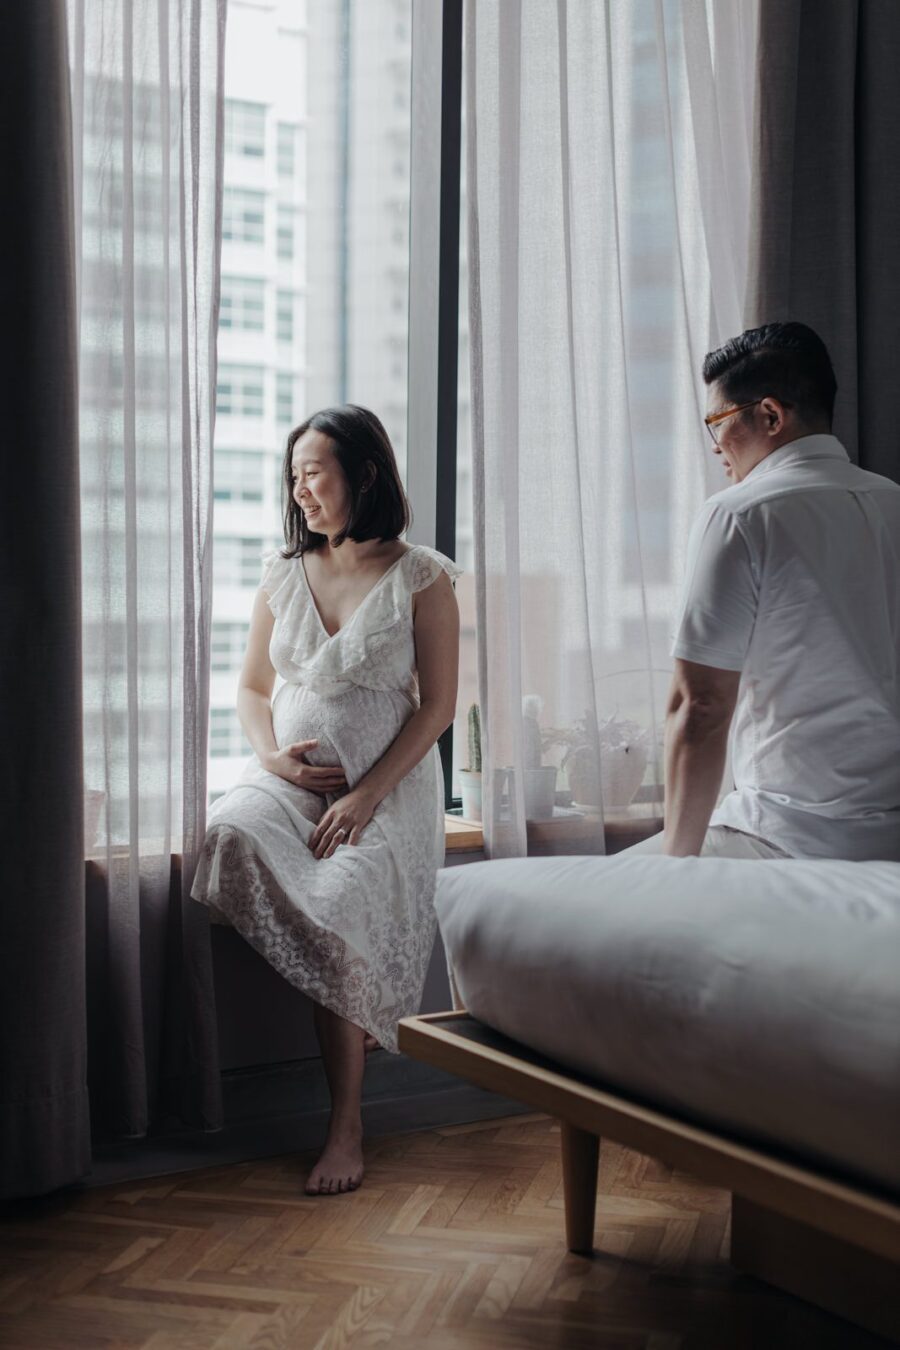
x=314 y=960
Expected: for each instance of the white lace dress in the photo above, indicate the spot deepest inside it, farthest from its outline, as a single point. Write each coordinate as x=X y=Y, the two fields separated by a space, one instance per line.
x=354 y=931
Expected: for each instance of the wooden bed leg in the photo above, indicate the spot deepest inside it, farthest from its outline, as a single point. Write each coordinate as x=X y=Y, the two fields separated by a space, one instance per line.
x=580 y=1157
x=835 y=1275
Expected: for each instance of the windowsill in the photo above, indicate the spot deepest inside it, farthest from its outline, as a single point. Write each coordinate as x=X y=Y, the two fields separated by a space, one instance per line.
x=463 y=836
x=621 y=831
x=467 y=836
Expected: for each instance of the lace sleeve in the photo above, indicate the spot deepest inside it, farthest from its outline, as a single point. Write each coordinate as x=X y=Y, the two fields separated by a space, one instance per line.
x=276 y=579
x=427 y=565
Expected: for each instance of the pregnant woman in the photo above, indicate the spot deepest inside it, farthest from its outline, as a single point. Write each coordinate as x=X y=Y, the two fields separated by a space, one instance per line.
x=323 y=855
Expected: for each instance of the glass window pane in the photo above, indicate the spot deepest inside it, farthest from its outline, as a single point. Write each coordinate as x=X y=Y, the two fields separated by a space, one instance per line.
x=285 y=232
x=243 y=216
x=285 y=317
x=315 y=263
x=240 y=391
x=238 y=475
x=284 y=398
x=287 y=149
x=245 y=128
x=242 y=303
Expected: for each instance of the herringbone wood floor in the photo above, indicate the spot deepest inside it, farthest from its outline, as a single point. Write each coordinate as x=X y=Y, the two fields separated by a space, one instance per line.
x=455 y=1240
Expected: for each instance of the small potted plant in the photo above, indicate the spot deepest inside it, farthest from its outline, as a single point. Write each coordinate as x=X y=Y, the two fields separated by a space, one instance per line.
x=539 y=779
x=624 y=752
x=580 y=763
x=604 y=763
x=471 y=777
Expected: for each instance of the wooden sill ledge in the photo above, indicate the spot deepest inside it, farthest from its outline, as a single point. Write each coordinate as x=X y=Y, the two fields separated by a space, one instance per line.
x=568 y=834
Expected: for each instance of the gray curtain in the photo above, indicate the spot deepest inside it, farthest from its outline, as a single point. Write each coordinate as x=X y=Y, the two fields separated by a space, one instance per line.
x=44 y=1118
x=110 y=268
x=824 y=243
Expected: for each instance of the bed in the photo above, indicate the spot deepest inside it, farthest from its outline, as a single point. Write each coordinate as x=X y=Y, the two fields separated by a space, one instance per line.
x=739 y=1019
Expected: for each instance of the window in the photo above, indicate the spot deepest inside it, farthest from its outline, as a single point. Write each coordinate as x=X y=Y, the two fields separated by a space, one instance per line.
x=225 y=735
x=243 y=216
x=285 y=233
x=238 y=560
x=309 y=204
x=228 y=644
x=238 y=475
x=242 y=303
x=239 y=391
x=284 y=324
x=284 y=398
x=287 y=150
x=245 y=128
x=278 y=479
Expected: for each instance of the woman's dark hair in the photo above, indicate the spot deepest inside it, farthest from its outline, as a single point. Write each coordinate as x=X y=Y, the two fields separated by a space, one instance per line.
x=787 y=361
x=379 y=508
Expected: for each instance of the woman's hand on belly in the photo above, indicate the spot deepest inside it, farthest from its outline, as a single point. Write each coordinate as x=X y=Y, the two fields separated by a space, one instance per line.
x=342 y=823
x=289 y=763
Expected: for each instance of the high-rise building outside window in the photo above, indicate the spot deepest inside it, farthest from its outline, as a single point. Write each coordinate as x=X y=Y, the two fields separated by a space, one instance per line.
x=243 y=216
x=285 y=317
x=315 y=267
x=287 y=143
x=240 y=391
x=242 y=303
x=239 y=476
x=245 y=128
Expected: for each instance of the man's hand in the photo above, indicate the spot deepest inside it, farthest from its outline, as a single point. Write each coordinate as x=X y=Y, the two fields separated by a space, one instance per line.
x=700 y=708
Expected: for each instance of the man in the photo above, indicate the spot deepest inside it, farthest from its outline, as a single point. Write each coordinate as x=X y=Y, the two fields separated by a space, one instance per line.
x=789 y=626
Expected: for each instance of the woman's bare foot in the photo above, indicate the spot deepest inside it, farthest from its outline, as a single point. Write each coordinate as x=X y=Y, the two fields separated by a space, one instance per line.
x=340 y=1167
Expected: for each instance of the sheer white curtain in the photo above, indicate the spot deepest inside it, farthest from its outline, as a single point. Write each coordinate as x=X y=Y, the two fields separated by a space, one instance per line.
x=147 y=129
x=608 y=168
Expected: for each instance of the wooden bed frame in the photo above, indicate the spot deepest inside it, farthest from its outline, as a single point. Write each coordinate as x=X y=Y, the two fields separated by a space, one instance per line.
x=825 y=1240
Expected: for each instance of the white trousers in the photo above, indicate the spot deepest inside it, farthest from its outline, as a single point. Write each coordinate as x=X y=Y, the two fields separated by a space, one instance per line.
x=721 y=842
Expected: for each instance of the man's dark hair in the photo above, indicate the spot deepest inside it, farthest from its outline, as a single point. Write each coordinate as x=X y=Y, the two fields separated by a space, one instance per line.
x=787 y=361
x=379 y=508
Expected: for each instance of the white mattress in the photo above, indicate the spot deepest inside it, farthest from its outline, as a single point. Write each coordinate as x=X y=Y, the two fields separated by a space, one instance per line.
x=762 y=998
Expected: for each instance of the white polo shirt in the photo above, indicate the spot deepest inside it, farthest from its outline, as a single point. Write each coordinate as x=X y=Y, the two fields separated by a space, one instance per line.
x=793 y=578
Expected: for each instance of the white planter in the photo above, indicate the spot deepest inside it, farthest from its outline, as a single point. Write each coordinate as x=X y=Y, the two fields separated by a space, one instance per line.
x=471 y=794
x=540 y=792
x=621 y=773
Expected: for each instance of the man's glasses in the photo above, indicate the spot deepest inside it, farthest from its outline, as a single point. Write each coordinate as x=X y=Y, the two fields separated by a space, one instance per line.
x=714 y=419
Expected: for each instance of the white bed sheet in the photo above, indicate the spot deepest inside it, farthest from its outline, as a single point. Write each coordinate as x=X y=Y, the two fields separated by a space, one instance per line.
x=762 y=998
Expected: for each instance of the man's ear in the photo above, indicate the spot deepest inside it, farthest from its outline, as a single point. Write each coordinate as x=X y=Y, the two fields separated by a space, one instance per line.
x=773 y=412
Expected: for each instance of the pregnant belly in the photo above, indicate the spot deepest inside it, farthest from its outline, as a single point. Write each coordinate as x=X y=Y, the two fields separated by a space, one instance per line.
x=353 y=730
x=299 y=715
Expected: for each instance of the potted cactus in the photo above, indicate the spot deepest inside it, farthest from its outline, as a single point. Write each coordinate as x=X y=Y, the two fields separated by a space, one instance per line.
x=539 y=779
x=471 y=777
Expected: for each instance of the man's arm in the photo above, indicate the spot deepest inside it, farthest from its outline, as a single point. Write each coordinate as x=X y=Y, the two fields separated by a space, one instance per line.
x=699 y=712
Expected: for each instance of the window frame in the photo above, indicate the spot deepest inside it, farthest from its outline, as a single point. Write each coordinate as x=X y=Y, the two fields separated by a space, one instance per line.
x=241 y=113
x=236 y=202
x=434 y=238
